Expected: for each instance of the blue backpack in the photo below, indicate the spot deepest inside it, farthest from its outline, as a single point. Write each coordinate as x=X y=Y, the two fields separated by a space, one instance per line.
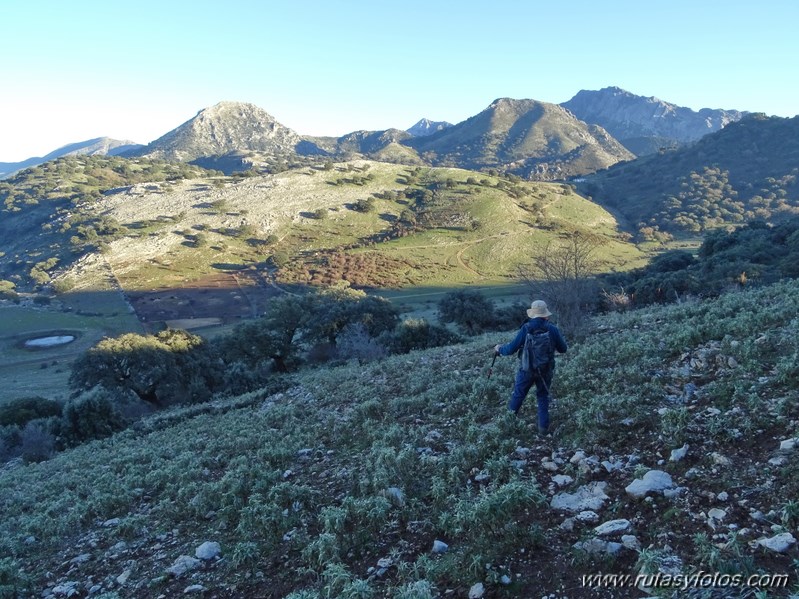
x=538 y=351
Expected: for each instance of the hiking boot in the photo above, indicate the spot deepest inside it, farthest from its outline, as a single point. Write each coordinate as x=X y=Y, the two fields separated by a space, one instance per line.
x=543 y=430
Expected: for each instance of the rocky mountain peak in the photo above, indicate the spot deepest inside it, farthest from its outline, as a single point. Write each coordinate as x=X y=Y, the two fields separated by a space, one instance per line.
x=511 y=104
x=427 y=127
x=235 y=110
x=642 y=124
x=223 y=128
x=527 y=137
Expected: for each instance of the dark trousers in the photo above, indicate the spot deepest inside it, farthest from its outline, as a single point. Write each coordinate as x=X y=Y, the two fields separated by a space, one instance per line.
x=524 y=382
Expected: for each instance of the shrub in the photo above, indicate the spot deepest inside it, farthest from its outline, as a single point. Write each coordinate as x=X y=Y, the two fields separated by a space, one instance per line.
x=9 y=442
x=90 y=415
x=63 y=285
x=280 y=259
x=672 y=261
x=418 y=333
x=220 y=206
x=355 y=342
x=12 y=579
x=23 y=410
x=240 y=378
x=510 y=317
x=37 y=442
x=468 y=308
x=419 y=589
x=365 y=205
x=7 y=290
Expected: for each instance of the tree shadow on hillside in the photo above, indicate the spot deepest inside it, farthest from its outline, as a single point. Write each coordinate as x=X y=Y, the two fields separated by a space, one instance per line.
x=117 y=190
x=139 y=224
x=228 y=266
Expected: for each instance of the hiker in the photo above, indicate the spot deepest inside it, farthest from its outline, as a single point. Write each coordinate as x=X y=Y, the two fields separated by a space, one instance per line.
x=542 y=376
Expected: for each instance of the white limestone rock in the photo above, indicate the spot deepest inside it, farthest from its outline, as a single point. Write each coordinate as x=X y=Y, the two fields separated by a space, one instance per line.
x=654 y=481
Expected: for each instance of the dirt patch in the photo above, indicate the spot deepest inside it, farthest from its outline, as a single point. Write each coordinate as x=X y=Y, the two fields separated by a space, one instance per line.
x=188 y=324
x=221 y=298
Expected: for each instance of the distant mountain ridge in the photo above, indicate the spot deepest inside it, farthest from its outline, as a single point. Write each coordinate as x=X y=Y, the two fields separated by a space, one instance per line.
x=361 y=142
x=524 y=137
x=593 y=130
x=98 y=145
x=643 y=125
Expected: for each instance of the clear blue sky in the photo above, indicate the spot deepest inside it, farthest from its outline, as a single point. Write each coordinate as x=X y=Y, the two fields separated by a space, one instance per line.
x=79 y=69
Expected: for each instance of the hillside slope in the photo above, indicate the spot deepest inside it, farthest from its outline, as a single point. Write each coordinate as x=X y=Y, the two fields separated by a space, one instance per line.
x=104 y=146
x=747 y=170
x=342 y=482
x=260 y=217
x=368 y=223
x=53 y=214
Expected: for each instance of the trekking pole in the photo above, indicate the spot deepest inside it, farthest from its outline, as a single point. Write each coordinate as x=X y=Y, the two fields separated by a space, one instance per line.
x=543 y=381
x=491 y=368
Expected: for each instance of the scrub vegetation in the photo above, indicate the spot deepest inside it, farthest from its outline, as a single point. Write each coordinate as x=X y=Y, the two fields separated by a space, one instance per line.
x=338 y=481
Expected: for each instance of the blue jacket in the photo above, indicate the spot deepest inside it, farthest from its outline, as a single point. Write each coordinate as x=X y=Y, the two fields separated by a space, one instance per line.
x=535 y=324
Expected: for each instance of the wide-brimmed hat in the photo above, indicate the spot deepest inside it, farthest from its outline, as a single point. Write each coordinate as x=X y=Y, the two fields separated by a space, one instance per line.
x=538 y=309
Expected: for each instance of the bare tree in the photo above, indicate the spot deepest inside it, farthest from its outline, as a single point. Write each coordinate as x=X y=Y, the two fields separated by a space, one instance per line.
x=563 y=276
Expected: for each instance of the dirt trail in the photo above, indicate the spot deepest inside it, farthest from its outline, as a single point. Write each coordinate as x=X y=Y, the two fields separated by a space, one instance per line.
x=462 y=264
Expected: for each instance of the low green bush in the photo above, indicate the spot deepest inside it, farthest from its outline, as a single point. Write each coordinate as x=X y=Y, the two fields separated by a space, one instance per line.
x=90 y=415
x=23 y=410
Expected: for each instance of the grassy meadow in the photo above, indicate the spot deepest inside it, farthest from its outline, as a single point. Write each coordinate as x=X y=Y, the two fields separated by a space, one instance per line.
x=45 y=371
x=465 y=231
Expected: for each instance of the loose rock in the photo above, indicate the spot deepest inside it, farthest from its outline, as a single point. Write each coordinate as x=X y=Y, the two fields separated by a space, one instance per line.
x=587 y=497
x=654 y=481
x=612 y=527
x=208 y=551
x=779 y=543
x=562 y=480
x=195 y=588
x=678 y=454
x=788 y=444
x=182 y=565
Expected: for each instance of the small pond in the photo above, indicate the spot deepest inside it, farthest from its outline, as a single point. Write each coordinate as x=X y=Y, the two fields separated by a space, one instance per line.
x=51 y=341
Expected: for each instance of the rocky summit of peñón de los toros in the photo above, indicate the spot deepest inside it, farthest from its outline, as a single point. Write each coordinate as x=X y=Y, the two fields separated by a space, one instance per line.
x=223 y=128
